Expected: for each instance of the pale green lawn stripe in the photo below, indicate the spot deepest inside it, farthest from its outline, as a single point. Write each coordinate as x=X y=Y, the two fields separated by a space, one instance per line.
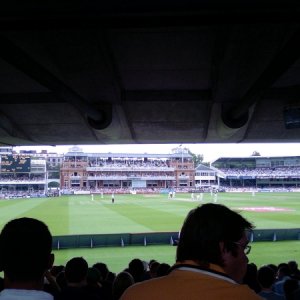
x=98 y=217
x=15 y=208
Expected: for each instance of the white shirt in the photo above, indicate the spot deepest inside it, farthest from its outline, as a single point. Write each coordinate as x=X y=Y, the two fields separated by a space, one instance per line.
x=16 y=294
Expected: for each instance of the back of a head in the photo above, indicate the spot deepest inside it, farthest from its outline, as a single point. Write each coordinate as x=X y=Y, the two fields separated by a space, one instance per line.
x=290 y=286
x=283 y=271
x=136 y=269
x=153 y=268
x=25 y=248
x=163 y=269
x=76 y=270
x=102 y=268
x=122 y=281
x=266 y=277
x=204 y=228
x=93 y=276
x=293 y=265
x=251 y=273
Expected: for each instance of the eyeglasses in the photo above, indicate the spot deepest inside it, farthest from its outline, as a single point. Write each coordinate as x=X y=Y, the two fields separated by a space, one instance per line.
x=247 y=248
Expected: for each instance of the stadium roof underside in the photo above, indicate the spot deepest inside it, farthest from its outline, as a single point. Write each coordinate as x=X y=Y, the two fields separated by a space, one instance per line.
x=167 y=71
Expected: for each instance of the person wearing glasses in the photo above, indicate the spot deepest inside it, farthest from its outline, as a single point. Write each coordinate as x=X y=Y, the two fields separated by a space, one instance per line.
x=211 y=260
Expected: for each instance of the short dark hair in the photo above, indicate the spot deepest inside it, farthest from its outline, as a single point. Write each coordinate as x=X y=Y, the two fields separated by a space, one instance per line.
x=266 y=276
x=204 y=228
x=76 y=270
x=25 y=248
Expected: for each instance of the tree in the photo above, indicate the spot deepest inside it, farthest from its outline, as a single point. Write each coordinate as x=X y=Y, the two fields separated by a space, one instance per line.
x=255 y=153
x=53 y=184
x=197 y=158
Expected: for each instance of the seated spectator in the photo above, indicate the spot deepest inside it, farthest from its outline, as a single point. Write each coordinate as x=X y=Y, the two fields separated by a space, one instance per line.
x=153 y=266
x=294 y=271
x=211 y=260
x=106 y=280
x=266 y=279
x=137 y=270
x=290 y=286
x=122 y=281
x=163 y=269
x=25 y=257
x=51 y=285
x=76 y=277
x=94 y=282
x=283 y=274
x=55 y=270
x=61 y=280
x=250 y=277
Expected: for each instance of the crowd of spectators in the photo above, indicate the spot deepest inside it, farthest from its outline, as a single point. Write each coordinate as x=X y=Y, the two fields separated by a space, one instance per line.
x=21 y=178
x=78 y=280
x=281 y=282
x=262 y=172
x=13 y=194
x=132 y=174
x=125 y=190
x=129 y=163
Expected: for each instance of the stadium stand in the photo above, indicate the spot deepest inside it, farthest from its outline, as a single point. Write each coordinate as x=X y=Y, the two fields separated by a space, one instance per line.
x=123 y=172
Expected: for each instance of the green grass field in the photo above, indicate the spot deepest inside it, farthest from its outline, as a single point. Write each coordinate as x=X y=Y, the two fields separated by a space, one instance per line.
x=69 y=215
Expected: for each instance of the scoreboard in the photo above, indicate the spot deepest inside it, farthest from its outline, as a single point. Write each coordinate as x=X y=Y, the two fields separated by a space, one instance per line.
x=12 y=164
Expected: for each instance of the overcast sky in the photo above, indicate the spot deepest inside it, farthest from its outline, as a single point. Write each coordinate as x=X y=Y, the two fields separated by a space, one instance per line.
x=210 y=151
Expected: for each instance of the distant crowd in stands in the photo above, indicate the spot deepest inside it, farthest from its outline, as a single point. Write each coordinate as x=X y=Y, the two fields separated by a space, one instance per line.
x=262 y=172
x=131 y=174
x=125 y=190
x=121 y=163
x=12 y=194
x=17 y=178
x=8 y=194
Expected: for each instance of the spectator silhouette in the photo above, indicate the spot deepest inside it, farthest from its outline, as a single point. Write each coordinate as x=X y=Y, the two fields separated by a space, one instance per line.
x=153 y=267
x=106 y=280
x=137 y=270
x=211 y=260
x=294 y=271
x=122 y=281
x=250 y=277
x=76 y=277
x=25 y=256
x=290 y=286
x=51 y=285
x=163 y=269
x=266 y=279
x=283 y=274
x=94 y=282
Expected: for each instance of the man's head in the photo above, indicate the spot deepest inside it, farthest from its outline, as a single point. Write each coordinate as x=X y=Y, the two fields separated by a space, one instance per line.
x=266 y=277
x=76 y=271
x=212 y=233
x=25 y=250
